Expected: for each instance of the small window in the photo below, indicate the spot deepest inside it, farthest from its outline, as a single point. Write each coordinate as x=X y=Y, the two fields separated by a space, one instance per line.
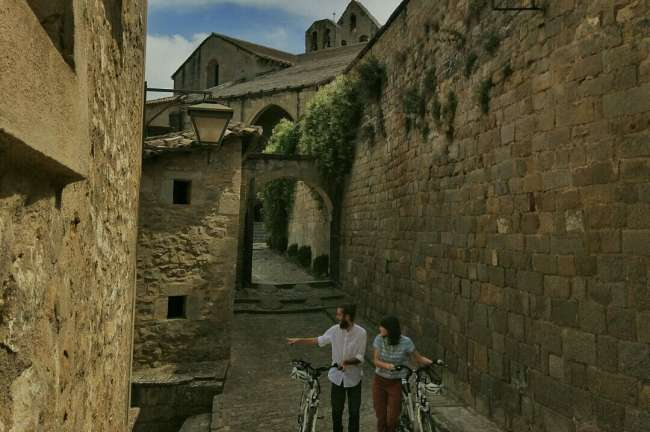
x=182 y=192
x=344 y=43
x=113 y=11
x=363 y=38
x=353 y=22
x=57 y=19
x=213 y=74
x=176 y=306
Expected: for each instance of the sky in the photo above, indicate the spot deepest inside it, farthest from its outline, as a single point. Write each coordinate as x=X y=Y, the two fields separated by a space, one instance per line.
x=177 y=27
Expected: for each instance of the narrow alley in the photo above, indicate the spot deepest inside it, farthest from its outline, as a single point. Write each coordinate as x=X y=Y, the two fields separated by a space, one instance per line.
x=259 y=390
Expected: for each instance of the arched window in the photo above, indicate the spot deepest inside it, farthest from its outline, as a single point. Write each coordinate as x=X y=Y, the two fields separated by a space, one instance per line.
x=353 y=22
x=314 y=41
x=344 y=43
x=327 y=42
x=363 y=38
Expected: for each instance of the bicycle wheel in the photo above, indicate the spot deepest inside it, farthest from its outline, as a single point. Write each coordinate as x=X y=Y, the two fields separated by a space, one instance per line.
x=425 y=422
x=404 y=424
x=310 y=420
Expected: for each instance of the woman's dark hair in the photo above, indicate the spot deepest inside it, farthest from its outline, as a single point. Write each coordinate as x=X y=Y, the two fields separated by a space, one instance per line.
x=391 y=324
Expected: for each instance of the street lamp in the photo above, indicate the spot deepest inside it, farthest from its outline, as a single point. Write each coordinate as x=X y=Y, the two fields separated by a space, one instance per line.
x=210 y=121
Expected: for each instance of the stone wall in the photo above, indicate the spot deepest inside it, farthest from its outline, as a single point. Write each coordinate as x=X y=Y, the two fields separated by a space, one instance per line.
x=518 y=249
x=188 y=250
x=309 y=223
x=70 y=148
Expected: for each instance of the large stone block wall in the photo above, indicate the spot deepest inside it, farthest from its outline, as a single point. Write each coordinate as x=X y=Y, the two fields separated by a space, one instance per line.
x=309 y=222
x=67 y=250
x=520 y=250
x=188 y=250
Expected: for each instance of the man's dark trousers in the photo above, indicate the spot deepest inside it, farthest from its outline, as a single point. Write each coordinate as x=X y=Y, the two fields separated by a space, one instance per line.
x=339 y=394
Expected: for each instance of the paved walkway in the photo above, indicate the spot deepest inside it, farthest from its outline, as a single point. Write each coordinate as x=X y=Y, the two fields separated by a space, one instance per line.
x=259 y=394
x=271 y=268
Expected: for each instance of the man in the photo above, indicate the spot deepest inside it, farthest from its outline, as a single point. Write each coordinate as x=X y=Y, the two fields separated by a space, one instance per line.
x=348 y=342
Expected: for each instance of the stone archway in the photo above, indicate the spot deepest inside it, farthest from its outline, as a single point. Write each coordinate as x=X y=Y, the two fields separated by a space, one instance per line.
x=268 y=117
x=259 y=170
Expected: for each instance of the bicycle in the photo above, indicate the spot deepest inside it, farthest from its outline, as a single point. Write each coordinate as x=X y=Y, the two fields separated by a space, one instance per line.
x=310 y=398
x=416 y=411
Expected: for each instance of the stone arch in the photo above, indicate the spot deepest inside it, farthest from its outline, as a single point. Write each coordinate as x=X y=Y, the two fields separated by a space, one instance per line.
x=261 y=169
x=268 y=117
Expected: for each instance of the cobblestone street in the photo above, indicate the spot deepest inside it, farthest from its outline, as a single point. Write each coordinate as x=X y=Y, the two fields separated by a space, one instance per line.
x=259 y=394
x=269 y=267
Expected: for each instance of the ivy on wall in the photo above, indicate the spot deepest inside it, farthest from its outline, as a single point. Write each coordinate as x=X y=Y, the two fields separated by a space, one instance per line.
x=329 y=128
x=278 y=196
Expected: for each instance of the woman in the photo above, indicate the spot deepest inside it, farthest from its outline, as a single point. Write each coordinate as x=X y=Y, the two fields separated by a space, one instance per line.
x=391 y=349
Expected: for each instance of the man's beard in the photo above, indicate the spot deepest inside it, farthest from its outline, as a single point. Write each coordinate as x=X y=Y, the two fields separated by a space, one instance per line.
x=344 y=324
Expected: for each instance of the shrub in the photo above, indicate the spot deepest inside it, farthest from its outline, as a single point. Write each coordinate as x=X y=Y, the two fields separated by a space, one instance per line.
x=321 y=265
x=436 y=110
x=470 y=64
x=491 y=43
x=484 y=92
x=449 y=110
x=278 y=243
x=304 y=256
x=292 y=251
x=278 y=195
x=284 y=139
x=372 y=78
x=329 y=128
x=414 y=103
x=431 y=80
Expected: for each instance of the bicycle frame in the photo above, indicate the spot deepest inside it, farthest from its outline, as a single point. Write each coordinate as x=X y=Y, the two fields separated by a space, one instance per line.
x=310 y=398
x=309 y=401
x=416 y=405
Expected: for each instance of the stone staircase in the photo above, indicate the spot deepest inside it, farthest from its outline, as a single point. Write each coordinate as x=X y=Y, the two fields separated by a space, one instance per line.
x=259 y=233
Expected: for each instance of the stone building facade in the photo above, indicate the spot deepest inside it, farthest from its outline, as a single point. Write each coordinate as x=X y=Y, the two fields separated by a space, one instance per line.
x=70 y=150
x=356 y=25
x=221 y=59
x=189 y=229
x=513 y=238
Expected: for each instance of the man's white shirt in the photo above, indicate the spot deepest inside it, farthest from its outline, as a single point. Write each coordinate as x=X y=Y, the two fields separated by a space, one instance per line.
x=346 y=345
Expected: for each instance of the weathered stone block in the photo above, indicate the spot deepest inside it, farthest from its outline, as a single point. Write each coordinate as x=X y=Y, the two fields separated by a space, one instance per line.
x=621 y=323
x=564 y=312
x=579 y=346
x=634 y=359
x=617 y=388
x=632 y=101
x=592 y=317
x=636 y=242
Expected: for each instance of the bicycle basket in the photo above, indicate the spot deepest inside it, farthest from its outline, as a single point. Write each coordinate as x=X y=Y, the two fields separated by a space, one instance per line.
x=433 y=389
x=300 y=375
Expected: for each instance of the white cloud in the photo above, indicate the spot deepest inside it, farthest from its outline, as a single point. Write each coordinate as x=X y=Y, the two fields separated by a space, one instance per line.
x=315 y=9
x=165 y=54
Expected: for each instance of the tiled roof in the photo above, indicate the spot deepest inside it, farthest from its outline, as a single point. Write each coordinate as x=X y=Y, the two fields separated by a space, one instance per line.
x=164 y=100
x=186 y=140
x=311 y=69
x=258 y=50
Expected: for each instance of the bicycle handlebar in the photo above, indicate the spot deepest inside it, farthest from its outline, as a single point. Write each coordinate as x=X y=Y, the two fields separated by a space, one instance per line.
x=314 y=371
x=420 y=370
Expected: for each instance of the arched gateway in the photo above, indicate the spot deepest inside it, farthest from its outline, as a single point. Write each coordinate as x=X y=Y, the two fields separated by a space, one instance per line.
x=258 y=170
